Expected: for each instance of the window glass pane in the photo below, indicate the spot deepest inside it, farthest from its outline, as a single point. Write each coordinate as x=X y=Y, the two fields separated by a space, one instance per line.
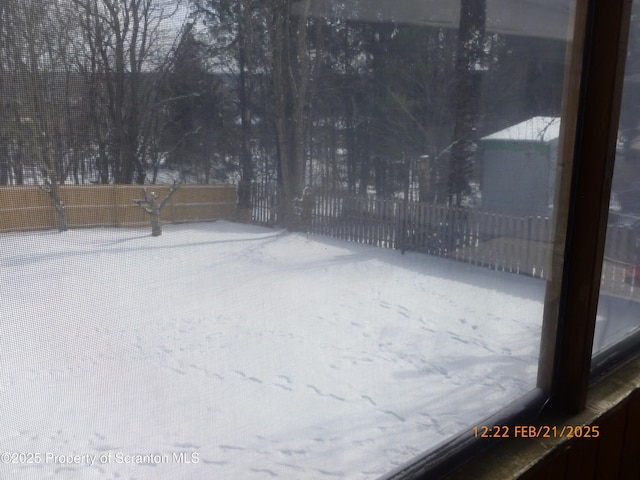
x=618 y=307
x=355 y=206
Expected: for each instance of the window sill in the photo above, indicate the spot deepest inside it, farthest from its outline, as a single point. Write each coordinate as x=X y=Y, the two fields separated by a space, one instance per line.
x=613 y=405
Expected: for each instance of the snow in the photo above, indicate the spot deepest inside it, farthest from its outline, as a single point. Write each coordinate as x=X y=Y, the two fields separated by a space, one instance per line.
x=250 y=352
x=535 y=129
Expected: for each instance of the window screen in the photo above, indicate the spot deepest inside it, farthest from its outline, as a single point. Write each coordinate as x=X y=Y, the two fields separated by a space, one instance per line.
x=296 y=239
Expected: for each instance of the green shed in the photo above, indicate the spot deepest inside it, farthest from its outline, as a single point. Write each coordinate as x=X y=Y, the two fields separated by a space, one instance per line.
x=519 y=166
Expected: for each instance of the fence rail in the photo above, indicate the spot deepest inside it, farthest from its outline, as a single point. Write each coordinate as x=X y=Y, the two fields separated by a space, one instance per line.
x=505 y=243
x=520 y=245
x=30 y=208
x=500 y=242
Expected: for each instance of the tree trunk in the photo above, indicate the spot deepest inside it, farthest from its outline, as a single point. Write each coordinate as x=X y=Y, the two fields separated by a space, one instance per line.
x=4 y=164
x=156 y=226
x=244 y=94
x=53 y=190
x=150 y=204
x=290 y=72
x=466 y=96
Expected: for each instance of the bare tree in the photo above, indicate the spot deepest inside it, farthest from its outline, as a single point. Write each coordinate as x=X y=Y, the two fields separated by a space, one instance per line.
x=40 y=45
x=153 y=206
x=290 y=78
x=123 y=60
x=466 y=96
x=5 y=113
x=239 y=41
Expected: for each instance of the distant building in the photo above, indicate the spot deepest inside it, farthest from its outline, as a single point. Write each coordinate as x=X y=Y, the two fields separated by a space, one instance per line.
x=519 y=166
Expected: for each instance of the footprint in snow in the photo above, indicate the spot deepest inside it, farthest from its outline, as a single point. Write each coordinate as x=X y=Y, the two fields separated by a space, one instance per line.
x=186 y=445
x=265 y=470
x=393 y=414
x=369 y=399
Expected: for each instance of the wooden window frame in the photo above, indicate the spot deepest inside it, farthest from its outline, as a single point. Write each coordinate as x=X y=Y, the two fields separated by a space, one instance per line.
x=606 y=31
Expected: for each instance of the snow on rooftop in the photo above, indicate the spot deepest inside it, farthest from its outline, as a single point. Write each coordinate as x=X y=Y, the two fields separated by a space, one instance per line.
x=536 y=129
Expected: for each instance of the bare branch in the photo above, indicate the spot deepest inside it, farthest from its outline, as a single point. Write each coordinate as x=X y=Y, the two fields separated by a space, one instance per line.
x=151 y=205
x=172 y=190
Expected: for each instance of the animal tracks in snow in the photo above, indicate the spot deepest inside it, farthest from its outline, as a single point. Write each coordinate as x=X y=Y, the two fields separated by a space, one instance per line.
x=330 y=395
x=284 y=382
x=399 y=309
x=244 y=376
x=324 y=349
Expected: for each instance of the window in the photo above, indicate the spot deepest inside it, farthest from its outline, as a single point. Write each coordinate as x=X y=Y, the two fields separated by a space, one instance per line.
x=617 y=306
x=392 y=186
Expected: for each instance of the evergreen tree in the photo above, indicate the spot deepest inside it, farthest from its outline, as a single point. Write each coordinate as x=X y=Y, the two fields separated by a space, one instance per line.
x=196 y=134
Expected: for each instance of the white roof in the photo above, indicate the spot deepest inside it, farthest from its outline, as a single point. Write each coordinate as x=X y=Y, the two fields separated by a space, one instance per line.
x=536 y=129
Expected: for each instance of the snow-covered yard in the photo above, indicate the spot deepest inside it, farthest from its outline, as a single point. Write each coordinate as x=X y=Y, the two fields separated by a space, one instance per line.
x=231 y=351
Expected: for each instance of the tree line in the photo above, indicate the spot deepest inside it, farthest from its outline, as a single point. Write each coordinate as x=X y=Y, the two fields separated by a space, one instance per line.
x=339 y=95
